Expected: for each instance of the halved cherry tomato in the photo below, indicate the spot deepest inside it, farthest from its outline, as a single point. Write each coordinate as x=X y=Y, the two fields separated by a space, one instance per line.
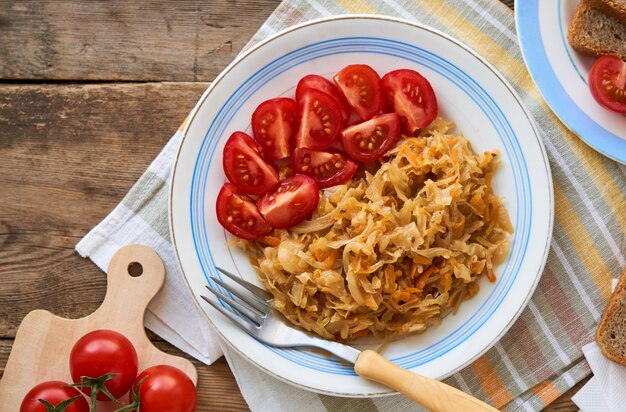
x=291 y=202
x=327 y=168
x=607 y=82
x=409 y=94
x=55 y=393
x=244 y=166
x=369 y=140
x=320 y=120
x=313 y=81
x=238 y=214
x=360 y=84
x=274 y=124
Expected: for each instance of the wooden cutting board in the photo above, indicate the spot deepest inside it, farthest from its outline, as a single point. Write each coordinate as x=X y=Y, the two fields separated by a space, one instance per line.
x=43 y=341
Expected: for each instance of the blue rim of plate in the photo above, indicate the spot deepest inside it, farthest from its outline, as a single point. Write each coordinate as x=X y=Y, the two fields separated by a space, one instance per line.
x=536 y=58
x=408 y=52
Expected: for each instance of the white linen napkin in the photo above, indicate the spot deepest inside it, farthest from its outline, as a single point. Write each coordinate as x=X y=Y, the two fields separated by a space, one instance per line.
x=606 y=390
x=142 y=218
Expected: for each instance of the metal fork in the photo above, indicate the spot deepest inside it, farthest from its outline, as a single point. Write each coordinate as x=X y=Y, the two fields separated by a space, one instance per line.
x=256 y=316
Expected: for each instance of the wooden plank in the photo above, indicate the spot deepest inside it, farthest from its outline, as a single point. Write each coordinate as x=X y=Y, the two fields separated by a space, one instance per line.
x=41 y=349
x=187 y=40
x=217 y=388
x=59 y=148
x=68 y=155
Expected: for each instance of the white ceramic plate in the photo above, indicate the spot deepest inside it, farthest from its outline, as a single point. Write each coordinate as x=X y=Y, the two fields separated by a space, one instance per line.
x=561 y=73
x=470 y=92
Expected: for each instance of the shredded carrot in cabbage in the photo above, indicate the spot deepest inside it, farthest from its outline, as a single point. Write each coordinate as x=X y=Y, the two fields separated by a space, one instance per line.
x=391 y=252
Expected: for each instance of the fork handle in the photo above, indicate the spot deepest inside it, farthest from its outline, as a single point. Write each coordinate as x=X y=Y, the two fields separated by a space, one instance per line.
x=430 y=393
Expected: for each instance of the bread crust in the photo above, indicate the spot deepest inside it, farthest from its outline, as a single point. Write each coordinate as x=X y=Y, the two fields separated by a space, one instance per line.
x=612 y=309
x=615 y=9
x=580 y=24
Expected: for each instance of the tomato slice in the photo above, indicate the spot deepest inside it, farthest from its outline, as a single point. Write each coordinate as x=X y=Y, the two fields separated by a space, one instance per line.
x=291 y=202
x=238 y=214
x=360 y=84
x=244 y=166
x=409 y=94
x=327 y=168
x=607 y=82
x=314 y=81
x=274 y=123
x=369 y=140
x=320 y=120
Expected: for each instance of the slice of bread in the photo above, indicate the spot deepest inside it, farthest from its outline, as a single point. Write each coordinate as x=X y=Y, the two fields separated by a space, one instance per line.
x=614 y=8
x=593 y=32
x=611 y=333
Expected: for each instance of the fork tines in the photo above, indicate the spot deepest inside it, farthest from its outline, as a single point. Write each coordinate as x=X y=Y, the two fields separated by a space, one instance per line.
x=255 y=290
x=251 y=305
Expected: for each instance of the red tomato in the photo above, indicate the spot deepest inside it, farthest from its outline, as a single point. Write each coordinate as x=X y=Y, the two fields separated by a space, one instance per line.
x=320 y=120
x=54 y=392
x=313 y=81
x=607 y=82
x=274 y=124
x=238 y=214
x=326 y=168
x=369 y=140
x=360 y=84
x=244 y=166
x=291 y=202
x=100 y=352
x=409 y=94
x=165 y=388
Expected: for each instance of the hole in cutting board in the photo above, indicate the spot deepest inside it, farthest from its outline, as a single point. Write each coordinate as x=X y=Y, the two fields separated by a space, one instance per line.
x=135 y=269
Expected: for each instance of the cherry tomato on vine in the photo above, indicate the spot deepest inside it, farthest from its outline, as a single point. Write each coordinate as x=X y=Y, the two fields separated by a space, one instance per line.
x=163 y=388
x=54 y=392
x=607 y=82
x=99 y=353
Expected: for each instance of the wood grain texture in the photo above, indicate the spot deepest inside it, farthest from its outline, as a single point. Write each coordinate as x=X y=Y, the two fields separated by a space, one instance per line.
x=41 y=350
x=59 y=147
x=114 y=40
x=217 y=388
x=430 y=393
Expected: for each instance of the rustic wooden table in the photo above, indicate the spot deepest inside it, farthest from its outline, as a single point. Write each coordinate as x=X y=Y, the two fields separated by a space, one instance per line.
x=89 y=94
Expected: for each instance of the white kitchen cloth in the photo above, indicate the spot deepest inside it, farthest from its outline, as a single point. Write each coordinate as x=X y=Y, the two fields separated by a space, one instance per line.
x=590 y=398
x=606 y=391
x=142 y=218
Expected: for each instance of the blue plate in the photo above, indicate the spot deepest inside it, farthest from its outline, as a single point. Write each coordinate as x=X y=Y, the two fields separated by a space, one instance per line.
x=561 y=74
